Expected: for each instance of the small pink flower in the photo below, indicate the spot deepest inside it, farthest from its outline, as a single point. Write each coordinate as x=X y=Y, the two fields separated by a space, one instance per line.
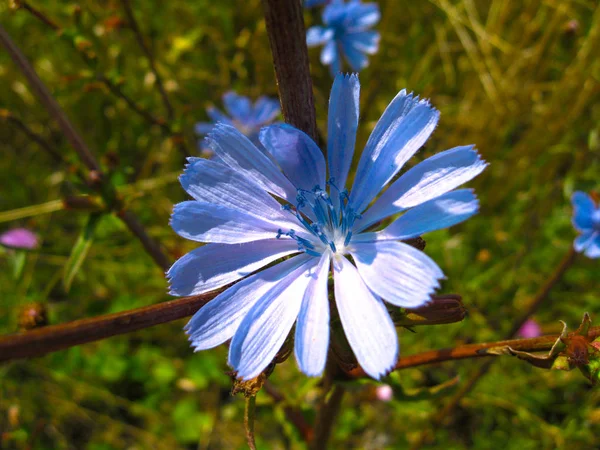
x=530 y=329
x=19 y=238
x=384 y=393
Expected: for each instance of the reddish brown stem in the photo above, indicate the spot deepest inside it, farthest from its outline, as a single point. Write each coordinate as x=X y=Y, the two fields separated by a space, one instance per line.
x=57 y=337
x=287 y=35
x=474 y=351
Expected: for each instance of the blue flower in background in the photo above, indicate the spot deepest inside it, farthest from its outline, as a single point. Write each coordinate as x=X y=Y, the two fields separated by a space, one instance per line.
x=346 y=32
x=311 y=3
x=236 y=208
x=586 y=219
x=243 y=115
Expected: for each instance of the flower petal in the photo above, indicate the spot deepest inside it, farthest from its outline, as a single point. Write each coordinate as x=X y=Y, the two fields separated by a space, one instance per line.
x=312 y=329
x=217 y=116
x=329 y=54
x=265 y=110
x=265 y=328
x=214 y=265
x=364 y=41
x=355 y=57
x=203 y=128
x=593 y=250
x=367 y=324
x=429 y=179
x=403 y=128
x=362 y=15
x=213 y=182
x=239 y=153
x=238 y=106
x=441 y=212
x=583 y=209
x=297 y=154
x=318 y=35
x=218 y=320
x=397 y=272
x=342 y=126
x=207 y=222
x=584 y=240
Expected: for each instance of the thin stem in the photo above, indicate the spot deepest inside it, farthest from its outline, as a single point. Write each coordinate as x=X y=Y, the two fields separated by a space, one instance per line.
x=140 y=39
x=18 y=123
x=538 y=344
x=287 y=35
x=249 y=421
x=533 y=305
x=37 y=13
x=326 y=418
x=53 y=338
x=86 y=156
x=293 y=415
x=48 y=101
x=151 y=246
x=114 y=88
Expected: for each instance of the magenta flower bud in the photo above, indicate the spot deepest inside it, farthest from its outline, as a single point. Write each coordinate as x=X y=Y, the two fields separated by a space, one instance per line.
x=19 y=238
x=530 y=329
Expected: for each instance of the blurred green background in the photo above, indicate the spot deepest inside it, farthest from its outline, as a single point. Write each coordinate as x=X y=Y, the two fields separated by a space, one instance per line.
x=520 y=79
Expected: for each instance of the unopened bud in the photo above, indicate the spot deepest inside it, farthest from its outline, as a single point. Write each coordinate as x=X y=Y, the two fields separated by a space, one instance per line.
x=441 y=309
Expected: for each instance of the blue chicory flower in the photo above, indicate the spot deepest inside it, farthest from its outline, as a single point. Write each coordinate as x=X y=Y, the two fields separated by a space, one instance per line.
x=586 y=219
x=243 y=115
x=235 y=209
x=346 y=32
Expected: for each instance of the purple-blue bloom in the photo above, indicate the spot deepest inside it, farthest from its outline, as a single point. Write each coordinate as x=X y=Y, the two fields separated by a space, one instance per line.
x=586 y=220
x=311 y=3
x=248 y=118
x=236 y=209
x=346 y=32
x=19 y=238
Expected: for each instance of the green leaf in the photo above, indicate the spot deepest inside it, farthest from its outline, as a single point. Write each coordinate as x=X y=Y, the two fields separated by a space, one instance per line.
x=80 y=250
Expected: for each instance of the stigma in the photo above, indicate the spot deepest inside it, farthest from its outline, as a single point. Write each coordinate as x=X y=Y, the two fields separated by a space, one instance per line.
x=325 y=223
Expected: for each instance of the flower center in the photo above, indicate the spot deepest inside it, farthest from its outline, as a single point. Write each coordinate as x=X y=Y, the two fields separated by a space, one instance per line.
x=329 y=223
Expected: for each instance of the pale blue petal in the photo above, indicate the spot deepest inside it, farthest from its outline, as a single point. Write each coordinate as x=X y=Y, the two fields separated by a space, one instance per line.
x=265 y=110
x=356 y=58
x=329 y=54
x=296 y=153
x=203 y=128
x=342 y=125
x=441 y=212
x=239 y=153
x=403 y=128
x=207 y=222
x=238 y=106
x=362 y=16
x=214 y=265
x=266 y=326
x=367 y=324
x=318 y=35
x=364 y=41
x=397 y=272
x=593 y=250
x=218 y=116
x=429 y=179
x=214 y=182
x=312 y=329
x=584 y=240
x=218 y=320
x=583 y=210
